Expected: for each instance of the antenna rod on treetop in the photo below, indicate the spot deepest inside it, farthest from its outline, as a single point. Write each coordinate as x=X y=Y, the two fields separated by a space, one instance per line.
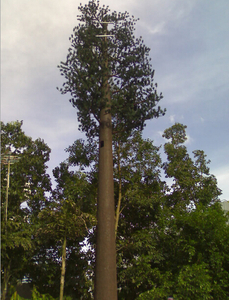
x=104 y=35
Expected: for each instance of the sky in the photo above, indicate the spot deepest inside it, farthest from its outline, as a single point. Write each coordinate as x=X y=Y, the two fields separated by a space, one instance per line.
x=189 y=41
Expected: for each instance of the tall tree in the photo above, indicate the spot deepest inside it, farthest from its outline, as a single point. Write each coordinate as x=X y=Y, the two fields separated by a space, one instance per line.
x=192 y=235
x=192 y=182
x=28 y=184
x=109 y=76
x=194 y=212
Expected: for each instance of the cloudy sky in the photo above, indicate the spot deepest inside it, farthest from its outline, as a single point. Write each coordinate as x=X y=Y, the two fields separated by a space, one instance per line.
x=189 y=41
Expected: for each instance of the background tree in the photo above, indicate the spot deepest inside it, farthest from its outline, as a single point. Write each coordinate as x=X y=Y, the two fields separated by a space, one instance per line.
x=170 y=239
x=28 y=184
x=138 y=167
x=192 y=183
x=193 y=225
x=111 y=84
x=65 y=222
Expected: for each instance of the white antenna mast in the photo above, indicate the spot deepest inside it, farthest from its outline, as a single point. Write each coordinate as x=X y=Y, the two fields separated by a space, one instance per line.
x=105 y=35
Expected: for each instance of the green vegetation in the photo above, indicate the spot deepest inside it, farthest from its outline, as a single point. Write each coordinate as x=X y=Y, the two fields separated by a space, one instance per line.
x=28 y=183
x=112 y=73
x=110 y=79
x=170 y=239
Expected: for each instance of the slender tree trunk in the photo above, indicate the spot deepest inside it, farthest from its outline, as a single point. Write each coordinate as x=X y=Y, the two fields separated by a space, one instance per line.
x=105 y=270
x=63 y=268
x=119 y=193
x=5 y=281
x=7 y=192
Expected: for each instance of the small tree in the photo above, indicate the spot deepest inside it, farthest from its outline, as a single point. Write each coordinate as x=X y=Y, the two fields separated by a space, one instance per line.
x=65 y=222
x=28 y=184
x=109 y=76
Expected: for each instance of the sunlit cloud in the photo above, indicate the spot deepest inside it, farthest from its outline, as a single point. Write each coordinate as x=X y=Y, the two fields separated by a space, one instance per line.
x=189 y=140
x=222 y=175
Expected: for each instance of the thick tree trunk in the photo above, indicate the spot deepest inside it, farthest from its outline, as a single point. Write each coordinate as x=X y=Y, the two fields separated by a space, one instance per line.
x=105 y=267
x=63 y=268
x=5 y=281
x=105 y=276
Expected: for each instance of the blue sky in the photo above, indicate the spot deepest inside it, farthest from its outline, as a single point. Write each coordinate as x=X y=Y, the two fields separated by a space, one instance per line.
x=189 y=41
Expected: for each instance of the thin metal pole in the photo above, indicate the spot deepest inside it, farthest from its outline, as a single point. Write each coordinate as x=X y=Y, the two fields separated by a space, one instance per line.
x=8 y=159
x=7 y=189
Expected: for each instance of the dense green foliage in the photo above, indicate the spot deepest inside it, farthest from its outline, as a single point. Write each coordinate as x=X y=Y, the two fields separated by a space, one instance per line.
x=191 y=226
x=28 y=183
x=110 y=79
x=125 y=58
x=171 y=240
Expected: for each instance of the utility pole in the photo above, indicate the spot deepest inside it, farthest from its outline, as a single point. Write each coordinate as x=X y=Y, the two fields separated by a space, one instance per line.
x=8 y=159
x=105 y=270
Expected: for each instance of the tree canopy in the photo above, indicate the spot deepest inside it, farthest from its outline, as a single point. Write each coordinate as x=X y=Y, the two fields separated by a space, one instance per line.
x=121 y=57
x=28 y=184
x=171 y=239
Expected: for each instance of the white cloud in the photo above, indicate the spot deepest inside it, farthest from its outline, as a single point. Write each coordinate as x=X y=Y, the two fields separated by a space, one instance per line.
x=160 y=133
x=157 y=28
x=189 y=140
x=222 y=175
x=172 y=118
